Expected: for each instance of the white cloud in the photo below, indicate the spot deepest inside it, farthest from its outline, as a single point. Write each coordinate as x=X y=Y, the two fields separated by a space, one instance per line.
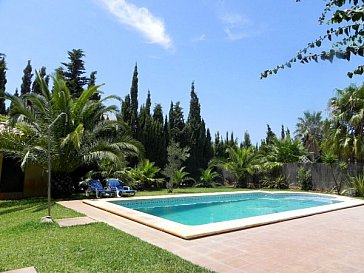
x=141 y=19
x=235 y=25
x=200 y=38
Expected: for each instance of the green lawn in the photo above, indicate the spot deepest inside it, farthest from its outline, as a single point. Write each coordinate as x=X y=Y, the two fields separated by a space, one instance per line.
x=24 y=241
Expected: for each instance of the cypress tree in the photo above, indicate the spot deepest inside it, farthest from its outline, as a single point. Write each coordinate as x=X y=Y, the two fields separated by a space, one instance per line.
x=134 y=102
x=26 y=80
x=43 y=74
x=283 y=134
x=91 y=83
x=196 y=136
x=219 y=147
x=176 y=124
x=16 y=94
x=2 y=83
x=270 y=135
x=75 y=69
x=246 y=142
x=158 y=113
x=126 y=110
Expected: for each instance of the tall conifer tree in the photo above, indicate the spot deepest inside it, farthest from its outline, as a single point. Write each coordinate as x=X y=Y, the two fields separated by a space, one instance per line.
x=91 y=83
x=74 y=73
x=26 y=85
x=43 y=74
x=158 y=113
x=2 y=84
x=134 y=102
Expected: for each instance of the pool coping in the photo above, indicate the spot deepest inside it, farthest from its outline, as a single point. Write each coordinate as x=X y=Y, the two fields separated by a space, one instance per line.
x=192 y=232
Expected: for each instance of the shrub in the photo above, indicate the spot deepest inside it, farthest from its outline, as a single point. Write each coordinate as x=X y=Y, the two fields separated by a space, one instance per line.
x=281 y=182
x=357 y=182
x=304 y=178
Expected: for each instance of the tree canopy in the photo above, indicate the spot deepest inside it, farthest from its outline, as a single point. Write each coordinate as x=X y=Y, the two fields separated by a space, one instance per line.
x=346 y=37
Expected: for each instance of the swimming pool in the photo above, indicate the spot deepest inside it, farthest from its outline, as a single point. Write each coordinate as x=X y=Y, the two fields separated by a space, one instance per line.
x=203 y=210
x=196 y=215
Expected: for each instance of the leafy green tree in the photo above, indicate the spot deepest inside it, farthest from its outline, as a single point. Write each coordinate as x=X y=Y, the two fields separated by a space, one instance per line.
x=345 y=134
x=176 y=156
x=309 y=130
x=26 y=80
x=345 y=36
x=78 y=138
x=43 y=74
x=74 y=73
x=2 y=84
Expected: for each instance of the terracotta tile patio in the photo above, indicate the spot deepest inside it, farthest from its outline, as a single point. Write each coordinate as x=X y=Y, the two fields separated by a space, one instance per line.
x=329 y=242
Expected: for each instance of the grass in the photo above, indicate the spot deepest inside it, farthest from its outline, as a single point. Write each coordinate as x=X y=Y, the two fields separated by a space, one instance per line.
x=96 y=247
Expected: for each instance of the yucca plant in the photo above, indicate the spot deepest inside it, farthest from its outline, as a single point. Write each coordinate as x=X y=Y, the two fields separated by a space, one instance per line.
x=357 y=183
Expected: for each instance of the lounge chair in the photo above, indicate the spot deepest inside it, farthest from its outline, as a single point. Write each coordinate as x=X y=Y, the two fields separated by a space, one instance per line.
x=95 y=187
x=120 y=190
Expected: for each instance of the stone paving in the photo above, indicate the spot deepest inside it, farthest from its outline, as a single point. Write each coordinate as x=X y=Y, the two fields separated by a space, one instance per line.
x=330 y=242
x=23 y=270
x=75 y=221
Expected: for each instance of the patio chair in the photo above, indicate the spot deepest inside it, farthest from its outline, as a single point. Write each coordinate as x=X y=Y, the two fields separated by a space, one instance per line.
x=95 y=187
x=116 y=186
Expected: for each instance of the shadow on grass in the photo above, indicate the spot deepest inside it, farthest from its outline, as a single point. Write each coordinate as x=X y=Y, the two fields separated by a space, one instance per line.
x=9 y=206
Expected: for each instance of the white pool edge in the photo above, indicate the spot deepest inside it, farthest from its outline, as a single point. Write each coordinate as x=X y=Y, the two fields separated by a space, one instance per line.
x=192 y=232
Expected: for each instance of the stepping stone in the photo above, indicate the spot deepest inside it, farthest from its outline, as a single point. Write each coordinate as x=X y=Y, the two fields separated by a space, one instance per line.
x=22 y=270
x=76 y=221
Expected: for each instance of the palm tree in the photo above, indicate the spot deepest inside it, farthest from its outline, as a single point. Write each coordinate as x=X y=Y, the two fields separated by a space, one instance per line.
x=241 y=163
x=207 y=178
x=345 y=134
x=78 y=138
x=309 y=130
x=181 y=176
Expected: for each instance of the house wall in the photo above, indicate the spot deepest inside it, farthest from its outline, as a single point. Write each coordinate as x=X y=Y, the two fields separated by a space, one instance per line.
x=35 y=183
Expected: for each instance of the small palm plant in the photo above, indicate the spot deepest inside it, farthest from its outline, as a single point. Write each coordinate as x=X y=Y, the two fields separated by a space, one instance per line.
x=357 y=182
x=180 y=177
x=207 y=178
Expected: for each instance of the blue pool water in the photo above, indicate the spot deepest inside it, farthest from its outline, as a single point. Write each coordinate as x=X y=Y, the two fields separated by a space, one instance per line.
x=199 y=210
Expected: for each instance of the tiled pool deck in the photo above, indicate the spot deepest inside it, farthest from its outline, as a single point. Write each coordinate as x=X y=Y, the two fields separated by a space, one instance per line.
x=329 y=242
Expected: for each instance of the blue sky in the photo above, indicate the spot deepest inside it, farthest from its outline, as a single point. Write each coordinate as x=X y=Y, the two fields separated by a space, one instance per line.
x=222 y=45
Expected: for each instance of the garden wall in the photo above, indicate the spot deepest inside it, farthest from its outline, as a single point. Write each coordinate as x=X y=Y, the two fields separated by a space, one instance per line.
x=322 y=174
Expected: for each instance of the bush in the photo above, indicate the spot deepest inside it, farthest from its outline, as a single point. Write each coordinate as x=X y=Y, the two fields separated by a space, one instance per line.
x=304 y=178
x=357 y=182
x=281 y=182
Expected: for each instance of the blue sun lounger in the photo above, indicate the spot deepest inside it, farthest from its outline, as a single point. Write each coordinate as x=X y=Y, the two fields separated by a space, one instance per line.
x=95 y=187
x=115 y=185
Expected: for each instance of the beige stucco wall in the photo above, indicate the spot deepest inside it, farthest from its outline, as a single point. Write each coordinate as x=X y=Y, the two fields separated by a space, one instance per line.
x=35 y=181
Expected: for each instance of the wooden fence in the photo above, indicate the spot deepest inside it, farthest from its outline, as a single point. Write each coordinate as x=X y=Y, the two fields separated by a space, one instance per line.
x=322 y=174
